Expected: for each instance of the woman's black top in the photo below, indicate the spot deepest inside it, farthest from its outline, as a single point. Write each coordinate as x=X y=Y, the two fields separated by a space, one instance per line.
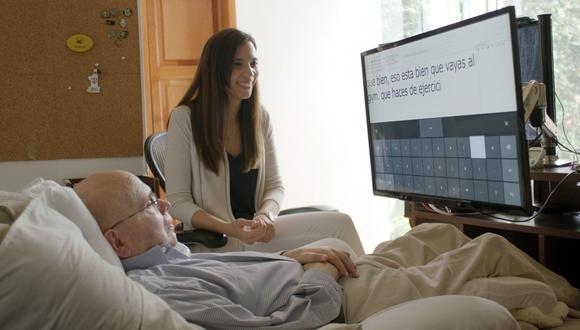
x=242 y=189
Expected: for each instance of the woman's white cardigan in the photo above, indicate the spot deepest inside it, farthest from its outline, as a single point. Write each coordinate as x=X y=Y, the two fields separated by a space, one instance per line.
x=191 y=186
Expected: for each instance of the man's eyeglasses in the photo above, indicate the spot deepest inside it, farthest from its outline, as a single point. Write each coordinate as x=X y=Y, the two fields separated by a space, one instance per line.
x=153 y=200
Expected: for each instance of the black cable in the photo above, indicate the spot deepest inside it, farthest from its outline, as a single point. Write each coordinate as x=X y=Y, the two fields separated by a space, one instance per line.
x=537 y=138
x=562 y=146
x=535 y=215
x=446 y=211
x=568 y=148
x=563 y=125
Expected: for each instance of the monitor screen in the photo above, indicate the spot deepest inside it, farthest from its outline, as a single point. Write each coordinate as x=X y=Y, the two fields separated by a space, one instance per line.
x=445 y=117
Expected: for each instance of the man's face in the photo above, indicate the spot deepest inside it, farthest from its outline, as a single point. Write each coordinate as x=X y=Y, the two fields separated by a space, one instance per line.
x=145 y=222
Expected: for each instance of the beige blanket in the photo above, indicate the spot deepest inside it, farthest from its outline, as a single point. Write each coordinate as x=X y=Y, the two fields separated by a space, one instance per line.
x=539 y=319
x=437 y=259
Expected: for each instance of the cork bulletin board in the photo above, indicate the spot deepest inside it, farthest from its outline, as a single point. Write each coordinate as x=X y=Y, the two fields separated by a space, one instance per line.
x=46 y=111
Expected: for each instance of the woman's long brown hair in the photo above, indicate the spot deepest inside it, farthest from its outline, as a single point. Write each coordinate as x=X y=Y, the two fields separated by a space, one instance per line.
x=207 y=97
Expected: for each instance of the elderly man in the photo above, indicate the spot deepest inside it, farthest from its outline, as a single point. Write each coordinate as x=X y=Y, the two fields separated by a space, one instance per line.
x=297 y=288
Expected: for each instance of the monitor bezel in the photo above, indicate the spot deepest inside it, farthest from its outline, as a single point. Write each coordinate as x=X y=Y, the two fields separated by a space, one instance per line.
x=527 y=207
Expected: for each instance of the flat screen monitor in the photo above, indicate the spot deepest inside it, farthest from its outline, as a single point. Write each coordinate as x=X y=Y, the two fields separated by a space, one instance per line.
x=445 y=116
x=537 y=61
x=536 y=56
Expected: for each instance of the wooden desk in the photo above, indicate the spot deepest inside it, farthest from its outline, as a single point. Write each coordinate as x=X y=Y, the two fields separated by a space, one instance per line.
x=552 y=238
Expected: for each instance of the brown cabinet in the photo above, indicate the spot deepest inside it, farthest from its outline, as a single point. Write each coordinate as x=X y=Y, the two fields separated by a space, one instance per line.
x=551 y=238
x=173 y=36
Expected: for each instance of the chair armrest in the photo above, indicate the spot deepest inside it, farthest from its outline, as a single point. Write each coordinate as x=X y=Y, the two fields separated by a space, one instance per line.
x=310 y=208
x=207 y=238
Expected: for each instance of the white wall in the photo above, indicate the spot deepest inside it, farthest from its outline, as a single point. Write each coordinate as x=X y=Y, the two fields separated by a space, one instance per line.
x=15 y=175
x=311 y=84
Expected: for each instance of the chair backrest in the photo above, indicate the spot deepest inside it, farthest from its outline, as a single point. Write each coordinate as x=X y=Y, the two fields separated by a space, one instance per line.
x=155 y=155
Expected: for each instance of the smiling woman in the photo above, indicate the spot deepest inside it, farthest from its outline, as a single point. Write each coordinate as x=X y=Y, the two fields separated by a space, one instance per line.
x=221 y=166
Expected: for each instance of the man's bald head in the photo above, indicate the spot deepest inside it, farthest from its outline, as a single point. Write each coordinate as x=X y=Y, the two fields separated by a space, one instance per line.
x=130 y=216
x=109 y=196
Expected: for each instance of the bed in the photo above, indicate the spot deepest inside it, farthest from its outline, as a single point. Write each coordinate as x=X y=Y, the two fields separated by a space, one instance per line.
x=59 y=272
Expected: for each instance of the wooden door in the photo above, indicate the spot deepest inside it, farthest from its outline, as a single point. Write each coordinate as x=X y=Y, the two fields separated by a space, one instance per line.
x=173 y=35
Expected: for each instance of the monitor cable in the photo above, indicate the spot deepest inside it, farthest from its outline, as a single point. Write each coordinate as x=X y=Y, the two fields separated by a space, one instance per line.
x=537 y=213
x=566 y=148
x=538 y=137
x=447 y=211
x=563 y=125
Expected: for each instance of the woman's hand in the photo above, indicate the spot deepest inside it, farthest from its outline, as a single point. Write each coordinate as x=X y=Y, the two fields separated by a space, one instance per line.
x=270 y=229
x=247 y=231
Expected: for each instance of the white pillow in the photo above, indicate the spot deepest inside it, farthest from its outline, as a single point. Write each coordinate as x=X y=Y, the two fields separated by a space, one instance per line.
x=449 y=312
x=65 y=201
x=51 y=278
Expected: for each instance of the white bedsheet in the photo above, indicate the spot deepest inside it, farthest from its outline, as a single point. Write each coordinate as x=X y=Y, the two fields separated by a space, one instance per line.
x=51 y=277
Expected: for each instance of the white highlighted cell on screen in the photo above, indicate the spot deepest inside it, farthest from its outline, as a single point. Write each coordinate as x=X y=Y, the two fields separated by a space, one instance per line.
x=477 y=145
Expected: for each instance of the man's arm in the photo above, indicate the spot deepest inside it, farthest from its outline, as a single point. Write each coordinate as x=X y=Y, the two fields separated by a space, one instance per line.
x=338 y=260
x=324 y=267
x=295 y=300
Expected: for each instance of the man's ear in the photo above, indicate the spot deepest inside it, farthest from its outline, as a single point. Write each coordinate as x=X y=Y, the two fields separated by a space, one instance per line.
x=118 y=244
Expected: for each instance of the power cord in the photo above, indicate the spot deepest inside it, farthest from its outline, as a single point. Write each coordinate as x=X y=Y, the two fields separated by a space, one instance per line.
x=574 y=152
x=447 y=211
x=563 y=125
x=537 y=213
x=435 y=209
x=538 y=137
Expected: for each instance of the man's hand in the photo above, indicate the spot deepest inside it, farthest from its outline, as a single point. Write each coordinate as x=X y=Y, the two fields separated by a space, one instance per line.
x=340 y=260
x=325 y=267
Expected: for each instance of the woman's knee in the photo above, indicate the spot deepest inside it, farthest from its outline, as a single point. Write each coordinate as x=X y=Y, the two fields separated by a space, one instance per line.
x=432 y=226
x=493 y=239
x=334 y=243
x=343 y=219
x=346 y=231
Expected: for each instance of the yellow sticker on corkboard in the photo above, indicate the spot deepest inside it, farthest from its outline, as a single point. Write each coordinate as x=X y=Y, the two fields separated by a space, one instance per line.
x=79 y=43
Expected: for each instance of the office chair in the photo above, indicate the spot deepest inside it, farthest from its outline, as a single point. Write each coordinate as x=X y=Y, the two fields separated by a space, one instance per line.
x=155 y=158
